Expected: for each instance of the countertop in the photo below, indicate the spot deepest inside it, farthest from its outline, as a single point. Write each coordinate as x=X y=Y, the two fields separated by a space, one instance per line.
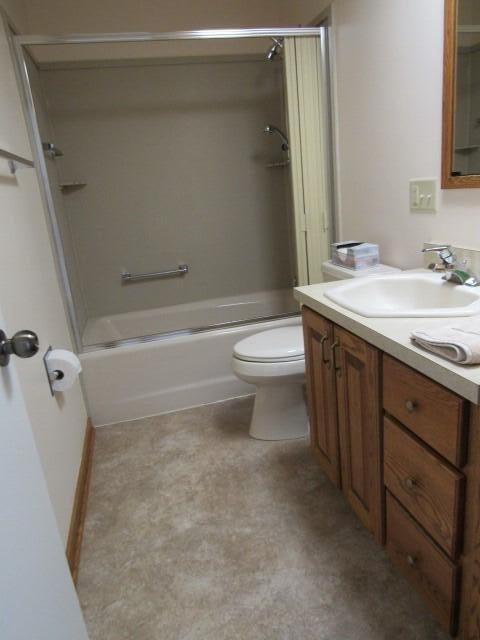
x=392 y=335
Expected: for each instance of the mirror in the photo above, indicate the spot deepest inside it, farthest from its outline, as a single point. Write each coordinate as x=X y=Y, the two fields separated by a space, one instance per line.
x=461 y=95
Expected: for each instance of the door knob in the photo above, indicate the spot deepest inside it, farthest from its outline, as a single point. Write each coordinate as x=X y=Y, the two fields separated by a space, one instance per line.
x=23 y=344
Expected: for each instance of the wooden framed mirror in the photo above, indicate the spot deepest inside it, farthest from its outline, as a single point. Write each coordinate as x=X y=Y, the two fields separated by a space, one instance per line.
x=461 y=95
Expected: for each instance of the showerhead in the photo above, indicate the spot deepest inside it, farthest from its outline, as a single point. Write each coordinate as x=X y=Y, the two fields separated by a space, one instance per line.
x=274 y=50
x=270 y=128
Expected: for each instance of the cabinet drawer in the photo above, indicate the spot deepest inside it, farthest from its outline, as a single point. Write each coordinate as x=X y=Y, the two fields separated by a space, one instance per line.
x=438 y=416
x=429 y=488
x=423 y=564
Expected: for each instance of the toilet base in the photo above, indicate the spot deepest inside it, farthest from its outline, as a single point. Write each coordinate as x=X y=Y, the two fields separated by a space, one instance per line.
x=279 y=412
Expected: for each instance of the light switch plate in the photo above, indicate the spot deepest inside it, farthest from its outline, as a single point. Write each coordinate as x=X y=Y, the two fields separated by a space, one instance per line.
x=423 y=195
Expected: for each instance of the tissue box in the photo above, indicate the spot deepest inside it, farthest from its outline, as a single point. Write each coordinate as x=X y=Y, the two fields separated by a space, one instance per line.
x=355 y=255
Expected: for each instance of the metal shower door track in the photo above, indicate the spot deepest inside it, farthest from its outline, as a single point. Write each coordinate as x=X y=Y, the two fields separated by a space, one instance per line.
x=200 y=34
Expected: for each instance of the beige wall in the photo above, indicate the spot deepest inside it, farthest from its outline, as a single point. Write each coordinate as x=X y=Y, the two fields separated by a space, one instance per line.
x=89 y=16
x=16 y=12
x=174 y=159
x=304 y=12
x=70 y=16
x=31 y=299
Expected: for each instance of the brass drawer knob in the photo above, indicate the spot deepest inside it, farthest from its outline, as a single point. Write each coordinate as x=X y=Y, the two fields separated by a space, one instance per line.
x=410 y=483
x=411 y=560
x=410 y=406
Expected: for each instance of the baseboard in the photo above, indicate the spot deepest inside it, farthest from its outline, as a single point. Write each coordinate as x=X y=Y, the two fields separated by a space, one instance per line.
x=75 y=533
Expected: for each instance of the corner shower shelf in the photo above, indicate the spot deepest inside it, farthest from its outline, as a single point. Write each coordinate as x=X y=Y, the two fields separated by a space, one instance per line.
x=71 y=186
x=274 y=165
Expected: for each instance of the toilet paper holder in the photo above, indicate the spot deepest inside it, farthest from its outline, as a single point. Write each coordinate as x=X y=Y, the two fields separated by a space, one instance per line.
x=56 y=374
x=63 y=368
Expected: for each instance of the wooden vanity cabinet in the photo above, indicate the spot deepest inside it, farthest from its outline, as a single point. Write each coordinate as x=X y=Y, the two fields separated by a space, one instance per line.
x=357 y=366
x=406 y=452
x=344 y=400
x=321 y=394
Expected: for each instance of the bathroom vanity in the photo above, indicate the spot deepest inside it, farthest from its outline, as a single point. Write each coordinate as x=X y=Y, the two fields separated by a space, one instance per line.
x=398 y=431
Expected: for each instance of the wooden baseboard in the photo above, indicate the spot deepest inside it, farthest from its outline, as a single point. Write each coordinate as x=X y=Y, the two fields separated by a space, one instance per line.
x=75 y=533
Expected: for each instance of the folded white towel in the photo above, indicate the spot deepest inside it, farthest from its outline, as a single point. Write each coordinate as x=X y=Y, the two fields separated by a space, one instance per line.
x=459 y=341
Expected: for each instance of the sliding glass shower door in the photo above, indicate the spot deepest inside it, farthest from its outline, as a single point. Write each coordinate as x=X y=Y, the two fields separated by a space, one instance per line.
x=173 y=193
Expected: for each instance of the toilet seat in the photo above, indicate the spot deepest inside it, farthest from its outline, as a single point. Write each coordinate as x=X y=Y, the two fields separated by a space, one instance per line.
x=269 y=372
x=275 y=346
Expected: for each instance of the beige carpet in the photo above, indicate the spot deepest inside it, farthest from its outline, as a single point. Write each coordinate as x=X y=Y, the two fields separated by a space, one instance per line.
x=195 y=531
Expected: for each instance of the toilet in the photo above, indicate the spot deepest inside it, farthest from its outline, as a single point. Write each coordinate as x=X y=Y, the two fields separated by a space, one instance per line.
x=274 y=361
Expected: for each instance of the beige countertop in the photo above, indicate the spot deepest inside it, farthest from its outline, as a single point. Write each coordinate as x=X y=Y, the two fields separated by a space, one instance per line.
x=392 y=335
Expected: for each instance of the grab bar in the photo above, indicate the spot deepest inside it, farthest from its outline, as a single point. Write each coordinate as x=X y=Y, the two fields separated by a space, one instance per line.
x=130 y=277
x=13 y=160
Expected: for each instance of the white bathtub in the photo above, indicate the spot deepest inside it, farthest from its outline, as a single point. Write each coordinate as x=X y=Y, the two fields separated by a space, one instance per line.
x=175 y=372
x=122 y=326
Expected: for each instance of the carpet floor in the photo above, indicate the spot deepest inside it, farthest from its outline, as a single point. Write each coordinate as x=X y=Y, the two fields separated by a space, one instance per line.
x=195 y=531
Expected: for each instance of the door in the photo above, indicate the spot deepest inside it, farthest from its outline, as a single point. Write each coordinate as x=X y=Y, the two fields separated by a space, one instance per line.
x=31 y=298
x=318 y=334
x=356 y=365
x=37 y=597
x=308 y=115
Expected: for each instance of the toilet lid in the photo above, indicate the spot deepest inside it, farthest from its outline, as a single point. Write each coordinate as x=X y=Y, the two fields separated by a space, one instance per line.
x=276 y=345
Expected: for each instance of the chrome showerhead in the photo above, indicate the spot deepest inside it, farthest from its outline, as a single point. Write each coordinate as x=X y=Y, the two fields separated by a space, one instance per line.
x=275 y=49
x=270 y=128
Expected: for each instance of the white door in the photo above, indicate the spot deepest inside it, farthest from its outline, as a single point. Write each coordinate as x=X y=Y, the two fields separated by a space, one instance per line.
x=37 y=597
x=31 y=298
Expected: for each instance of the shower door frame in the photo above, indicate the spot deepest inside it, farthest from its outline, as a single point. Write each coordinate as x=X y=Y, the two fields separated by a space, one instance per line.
x=19 y=45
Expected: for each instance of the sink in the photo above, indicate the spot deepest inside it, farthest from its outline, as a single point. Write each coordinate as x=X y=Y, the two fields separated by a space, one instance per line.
x=414 y=295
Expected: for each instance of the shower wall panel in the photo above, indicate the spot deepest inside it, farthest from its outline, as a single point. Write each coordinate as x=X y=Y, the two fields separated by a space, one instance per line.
x=174 y=157
x=47 y=134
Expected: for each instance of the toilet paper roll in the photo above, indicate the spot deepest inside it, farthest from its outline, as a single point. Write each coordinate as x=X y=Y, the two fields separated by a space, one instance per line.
x=63 y=367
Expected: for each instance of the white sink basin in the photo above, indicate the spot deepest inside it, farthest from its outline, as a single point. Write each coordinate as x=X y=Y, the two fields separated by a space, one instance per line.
x=414 y=295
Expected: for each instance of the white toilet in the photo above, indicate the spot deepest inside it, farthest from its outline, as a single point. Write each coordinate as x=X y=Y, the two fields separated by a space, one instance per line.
x=274 y=361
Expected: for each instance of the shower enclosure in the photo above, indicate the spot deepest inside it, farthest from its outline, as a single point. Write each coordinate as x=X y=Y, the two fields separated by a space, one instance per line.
x=186 y=177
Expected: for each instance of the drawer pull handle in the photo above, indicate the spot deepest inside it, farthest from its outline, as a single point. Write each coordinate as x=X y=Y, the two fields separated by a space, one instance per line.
x=411 y=560
x=410 y=483
x=326 y=361
x=338 y=370
x=410 y=406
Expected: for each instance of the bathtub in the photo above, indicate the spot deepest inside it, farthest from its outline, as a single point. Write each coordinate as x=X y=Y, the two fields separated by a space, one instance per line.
x=108 y=330
x=171 y=372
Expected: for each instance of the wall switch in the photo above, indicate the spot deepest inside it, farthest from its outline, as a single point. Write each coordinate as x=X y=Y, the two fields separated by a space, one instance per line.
x=423 y=195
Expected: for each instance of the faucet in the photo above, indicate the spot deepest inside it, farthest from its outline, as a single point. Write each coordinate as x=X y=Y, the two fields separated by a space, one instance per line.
x=453 y=273
x=446 y=255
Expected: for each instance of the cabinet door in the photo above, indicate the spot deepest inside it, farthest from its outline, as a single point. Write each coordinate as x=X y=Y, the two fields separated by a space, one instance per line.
x=356 y=365
x=321 y=396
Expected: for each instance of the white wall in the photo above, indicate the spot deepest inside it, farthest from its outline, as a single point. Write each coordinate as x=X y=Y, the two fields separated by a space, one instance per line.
x=389 y=63
x=31 y=299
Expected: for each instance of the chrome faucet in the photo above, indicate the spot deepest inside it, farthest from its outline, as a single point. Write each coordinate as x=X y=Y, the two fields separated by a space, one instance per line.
x=453 y=272
x=446 y=255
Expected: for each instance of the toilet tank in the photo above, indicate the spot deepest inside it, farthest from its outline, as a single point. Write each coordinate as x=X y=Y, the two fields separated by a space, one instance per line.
x=333 y=272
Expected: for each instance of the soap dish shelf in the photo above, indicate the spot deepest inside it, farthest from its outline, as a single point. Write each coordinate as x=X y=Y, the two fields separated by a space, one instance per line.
x=65 y=187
